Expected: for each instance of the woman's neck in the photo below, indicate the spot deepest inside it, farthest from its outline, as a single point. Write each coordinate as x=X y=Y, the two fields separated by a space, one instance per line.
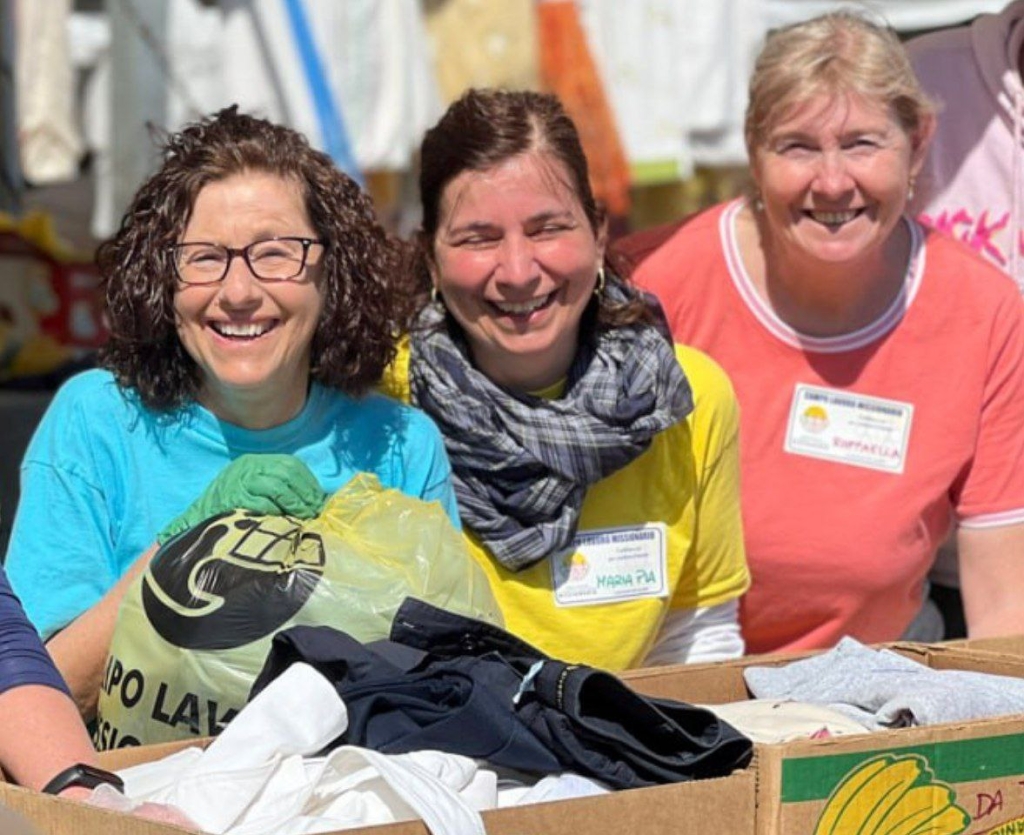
x=526 y=373
x=819 y=298
x=253 y=410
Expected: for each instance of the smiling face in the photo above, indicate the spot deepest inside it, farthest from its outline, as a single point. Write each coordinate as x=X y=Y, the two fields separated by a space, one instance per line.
x=251 y=339
x=833 y=175
x=516 y=262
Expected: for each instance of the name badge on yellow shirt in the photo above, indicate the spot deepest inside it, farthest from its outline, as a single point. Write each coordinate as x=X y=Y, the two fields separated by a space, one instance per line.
x=606 y=565
x=849 y=428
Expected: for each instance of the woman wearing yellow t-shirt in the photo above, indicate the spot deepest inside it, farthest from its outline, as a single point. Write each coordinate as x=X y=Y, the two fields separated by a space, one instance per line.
x=594 y=463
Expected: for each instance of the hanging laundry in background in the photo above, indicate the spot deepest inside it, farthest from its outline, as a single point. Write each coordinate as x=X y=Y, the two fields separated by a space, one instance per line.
x=476 y=43
x=568 y=70
x=49 y=140
x=373 y=69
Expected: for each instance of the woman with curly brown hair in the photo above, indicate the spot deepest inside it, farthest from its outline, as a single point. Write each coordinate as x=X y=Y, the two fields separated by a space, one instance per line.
x=250 y=308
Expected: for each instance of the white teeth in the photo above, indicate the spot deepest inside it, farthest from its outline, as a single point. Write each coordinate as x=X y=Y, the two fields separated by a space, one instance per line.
x=834 y=218
x=518 y=308
x=246 y=329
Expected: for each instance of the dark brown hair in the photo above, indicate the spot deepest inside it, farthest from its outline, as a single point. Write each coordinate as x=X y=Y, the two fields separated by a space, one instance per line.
x=482 y=129
x=354 y=339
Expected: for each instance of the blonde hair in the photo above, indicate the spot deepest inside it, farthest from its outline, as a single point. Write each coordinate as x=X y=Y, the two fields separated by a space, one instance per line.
x=837 y=53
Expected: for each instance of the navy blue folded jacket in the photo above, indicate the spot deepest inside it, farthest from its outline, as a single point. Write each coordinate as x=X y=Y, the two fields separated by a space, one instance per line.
x=447 y=682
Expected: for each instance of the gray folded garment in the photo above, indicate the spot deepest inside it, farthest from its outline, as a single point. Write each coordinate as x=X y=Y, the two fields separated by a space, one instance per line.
x=882 y=689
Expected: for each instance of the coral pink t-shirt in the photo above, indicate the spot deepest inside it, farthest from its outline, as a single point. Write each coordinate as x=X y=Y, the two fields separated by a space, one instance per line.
x=858 y=452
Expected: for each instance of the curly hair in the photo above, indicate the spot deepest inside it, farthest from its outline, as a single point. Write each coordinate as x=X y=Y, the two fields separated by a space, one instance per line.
x=355 y=336
x=480 y=130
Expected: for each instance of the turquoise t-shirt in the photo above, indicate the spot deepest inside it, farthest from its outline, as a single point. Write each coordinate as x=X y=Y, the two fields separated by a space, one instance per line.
x=103 y=474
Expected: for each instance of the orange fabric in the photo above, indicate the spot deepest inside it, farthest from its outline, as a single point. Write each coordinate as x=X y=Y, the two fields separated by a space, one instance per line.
x=567 y=69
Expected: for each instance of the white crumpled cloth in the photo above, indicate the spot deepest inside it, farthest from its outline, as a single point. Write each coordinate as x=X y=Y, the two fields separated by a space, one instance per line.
x=261 y=774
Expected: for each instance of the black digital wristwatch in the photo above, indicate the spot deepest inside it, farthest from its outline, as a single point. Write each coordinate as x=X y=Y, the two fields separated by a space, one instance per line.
x=87 y=776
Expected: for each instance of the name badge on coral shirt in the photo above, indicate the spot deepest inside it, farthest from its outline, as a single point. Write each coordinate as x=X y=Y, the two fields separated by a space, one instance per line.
x=849 y=428
x=607 y=565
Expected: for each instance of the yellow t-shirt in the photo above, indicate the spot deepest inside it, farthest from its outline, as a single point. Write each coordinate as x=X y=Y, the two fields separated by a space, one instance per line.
x=688 y=481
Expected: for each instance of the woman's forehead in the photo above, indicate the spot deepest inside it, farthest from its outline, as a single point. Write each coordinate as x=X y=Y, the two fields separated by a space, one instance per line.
x=537 y=170
x=837 y=110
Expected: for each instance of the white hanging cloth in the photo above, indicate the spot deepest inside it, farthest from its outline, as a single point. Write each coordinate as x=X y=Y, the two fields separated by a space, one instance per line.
x=49 y=141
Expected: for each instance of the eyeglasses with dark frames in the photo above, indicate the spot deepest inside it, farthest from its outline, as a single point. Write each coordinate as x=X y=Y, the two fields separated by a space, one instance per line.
x=272 y=259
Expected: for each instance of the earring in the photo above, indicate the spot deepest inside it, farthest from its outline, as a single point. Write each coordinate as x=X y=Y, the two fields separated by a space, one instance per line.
x=599 y=287
x=435 y=297
x=757 y=202
x=910 y=187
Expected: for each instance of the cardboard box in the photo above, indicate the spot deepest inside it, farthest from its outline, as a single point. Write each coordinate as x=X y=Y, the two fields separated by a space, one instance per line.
x=724 y=805
x=1006 y=645
x=977 y=767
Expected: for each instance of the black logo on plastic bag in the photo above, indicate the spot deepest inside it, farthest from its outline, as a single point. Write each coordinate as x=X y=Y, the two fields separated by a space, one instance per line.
x=231 y=580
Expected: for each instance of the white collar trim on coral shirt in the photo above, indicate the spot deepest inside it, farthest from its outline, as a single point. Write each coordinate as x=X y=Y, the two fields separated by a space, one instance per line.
x=763 y=312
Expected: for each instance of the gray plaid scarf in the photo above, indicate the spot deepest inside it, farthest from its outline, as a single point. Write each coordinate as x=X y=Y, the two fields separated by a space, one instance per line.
x=522 y=464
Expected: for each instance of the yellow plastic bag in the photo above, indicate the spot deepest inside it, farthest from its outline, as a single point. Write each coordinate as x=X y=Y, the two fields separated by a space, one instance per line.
x=194 y=630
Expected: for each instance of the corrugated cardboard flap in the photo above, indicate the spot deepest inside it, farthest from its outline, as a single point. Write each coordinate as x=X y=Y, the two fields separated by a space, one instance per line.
x=677 y=809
